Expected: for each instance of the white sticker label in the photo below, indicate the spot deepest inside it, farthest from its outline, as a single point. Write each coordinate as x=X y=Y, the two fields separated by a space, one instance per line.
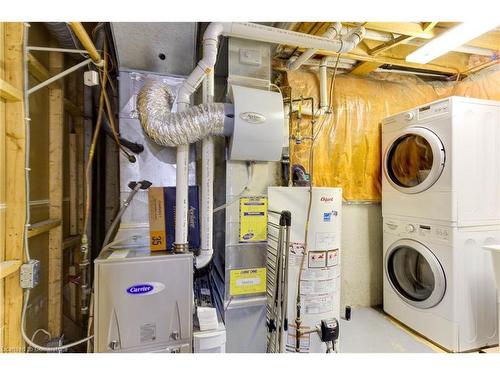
x=325 y=240
x=253 y=281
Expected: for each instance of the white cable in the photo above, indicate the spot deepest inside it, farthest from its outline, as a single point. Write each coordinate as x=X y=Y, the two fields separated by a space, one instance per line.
x=27 y=169
x=39 y=347
x=245 y=189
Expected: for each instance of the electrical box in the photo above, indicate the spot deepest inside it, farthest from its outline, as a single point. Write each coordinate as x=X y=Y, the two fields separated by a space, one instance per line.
x=143 y=302
x=258 y=124
x=30 y=274
x=91 y=78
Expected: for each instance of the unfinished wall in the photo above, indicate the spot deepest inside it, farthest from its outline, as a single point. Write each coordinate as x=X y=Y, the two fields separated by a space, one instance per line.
x=50 y=152
x=347 y=154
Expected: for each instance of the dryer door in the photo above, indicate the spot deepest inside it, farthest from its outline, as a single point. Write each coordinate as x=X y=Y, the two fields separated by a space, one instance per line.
x=414 y=160
x=415 y=273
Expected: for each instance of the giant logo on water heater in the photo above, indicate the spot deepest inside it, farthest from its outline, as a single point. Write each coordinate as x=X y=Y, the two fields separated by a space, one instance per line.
x=146 y=288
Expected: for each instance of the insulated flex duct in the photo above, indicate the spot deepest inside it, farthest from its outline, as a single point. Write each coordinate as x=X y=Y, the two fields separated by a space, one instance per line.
x=154 y=105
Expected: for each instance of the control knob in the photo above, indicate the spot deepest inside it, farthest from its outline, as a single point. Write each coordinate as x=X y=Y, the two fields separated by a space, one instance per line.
x=410 y=228
x=409 y=116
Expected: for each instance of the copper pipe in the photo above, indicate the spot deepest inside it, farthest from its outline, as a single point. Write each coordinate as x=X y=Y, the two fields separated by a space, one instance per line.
x=86 y=42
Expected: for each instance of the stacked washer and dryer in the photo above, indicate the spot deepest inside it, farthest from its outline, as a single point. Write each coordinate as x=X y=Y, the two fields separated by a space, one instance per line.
x=440 y=205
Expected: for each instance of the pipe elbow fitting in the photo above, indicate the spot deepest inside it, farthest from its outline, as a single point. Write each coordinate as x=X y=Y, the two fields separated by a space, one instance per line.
x=204 y=258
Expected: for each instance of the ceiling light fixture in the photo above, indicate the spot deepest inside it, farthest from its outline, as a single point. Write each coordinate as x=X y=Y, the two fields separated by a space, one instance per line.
x=449 y=40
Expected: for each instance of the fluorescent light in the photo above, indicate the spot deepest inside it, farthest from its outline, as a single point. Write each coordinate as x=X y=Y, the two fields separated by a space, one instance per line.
x=451 y=39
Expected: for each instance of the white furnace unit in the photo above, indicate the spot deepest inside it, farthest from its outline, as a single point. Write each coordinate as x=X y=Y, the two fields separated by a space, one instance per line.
x=143 y=302
x=320 y=278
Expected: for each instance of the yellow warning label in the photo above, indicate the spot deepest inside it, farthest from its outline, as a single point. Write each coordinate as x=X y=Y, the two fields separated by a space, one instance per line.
x=253 y=219
x=247 y=281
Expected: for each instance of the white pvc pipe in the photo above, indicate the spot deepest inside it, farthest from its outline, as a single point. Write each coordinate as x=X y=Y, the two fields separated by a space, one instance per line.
x=205 y=66
x=247 y=30
x=323 y=83
x=181 y=197
x=331 y=33
x=207 y=187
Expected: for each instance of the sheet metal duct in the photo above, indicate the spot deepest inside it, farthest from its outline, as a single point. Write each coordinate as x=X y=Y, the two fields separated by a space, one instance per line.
x=162 y=47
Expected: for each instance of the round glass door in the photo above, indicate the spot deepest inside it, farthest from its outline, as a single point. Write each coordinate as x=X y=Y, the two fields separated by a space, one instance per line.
x=415 y=274
x=414 y=161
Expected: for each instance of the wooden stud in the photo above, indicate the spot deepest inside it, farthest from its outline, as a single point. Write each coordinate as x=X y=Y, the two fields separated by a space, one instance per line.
x=9 y=92
x=9 y=266
x=2 y=185
x=15 y=190
x=71 y=242
x=36 y=69
x=42 y=227
x=72 y=108
x=56 y=117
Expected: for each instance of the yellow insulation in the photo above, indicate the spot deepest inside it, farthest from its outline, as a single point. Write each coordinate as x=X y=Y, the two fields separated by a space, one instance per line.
x=347 y=149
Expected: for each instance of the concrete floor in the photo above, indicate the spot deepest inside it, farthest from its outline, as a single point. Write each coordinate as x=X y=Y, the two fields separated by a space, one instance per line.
x=371 y=331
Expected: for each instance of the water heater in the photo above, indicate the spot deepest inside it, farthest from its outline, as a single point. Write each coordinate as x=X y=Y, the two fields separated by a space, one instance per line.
x=320 y=280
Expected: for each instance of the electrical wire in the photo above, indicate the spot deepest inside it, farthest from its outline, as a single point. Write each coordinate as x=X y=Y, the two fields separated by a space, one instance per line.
x=250 y=167
x=40 y=347
x=26 y=294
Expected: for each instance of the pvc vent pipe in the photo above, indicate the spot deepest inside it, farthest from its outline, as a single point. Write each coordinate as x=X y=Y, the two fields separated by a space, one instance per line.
x=331 y=33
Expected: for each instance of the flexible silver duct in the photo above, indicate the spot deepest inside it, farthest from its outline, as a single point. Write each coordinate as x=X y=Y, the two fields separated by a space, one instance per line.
x=154 y=105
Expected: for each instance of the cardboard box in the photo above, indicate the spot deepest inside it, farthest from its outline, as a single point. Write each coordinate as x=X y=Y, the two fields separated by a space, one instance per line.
x=161 y=202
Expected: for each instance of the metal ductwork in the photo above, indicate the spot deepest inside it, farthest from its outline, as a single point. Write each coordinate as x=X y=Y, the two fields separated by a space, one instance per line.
x=154 y=104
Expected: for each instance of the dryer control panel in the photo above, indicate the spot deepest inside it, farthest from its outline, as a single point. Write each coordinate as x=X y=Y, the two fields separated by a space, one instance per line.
x=416 y=230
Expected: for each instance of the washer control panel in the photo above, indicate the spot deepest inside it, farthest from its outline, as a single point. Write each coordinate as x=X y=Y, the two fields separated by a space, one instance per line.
x=416 y=230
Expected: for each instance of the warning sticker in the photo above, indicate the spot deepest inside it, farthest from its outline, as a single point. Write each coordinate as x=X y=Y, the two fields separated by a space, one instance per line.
x=247 y=281
x=332 y=258
x=253 y=219
x=316 y=259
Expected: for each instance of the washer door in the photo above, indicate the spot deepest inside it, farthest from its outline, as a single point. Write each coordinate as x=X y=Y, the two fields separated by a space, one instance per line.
x=414 y=161
x=415 y=274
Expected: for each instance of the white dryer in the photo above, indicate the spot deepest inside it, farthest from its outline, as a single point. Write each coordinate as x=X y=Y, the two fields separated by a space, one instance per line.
x=440 y=161
x=439 y=282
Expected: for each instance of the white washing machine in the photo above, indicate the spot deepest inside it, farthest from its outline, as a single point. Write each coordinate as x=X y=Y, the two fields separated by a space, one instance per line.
x=440 y=282
x=440 y=161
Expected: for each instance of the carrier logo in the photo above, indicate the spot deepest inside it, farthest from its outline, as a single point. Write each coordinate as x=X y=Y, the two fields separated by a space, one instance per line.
x=145 y=288
x=252 y=117
x=326 y=199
